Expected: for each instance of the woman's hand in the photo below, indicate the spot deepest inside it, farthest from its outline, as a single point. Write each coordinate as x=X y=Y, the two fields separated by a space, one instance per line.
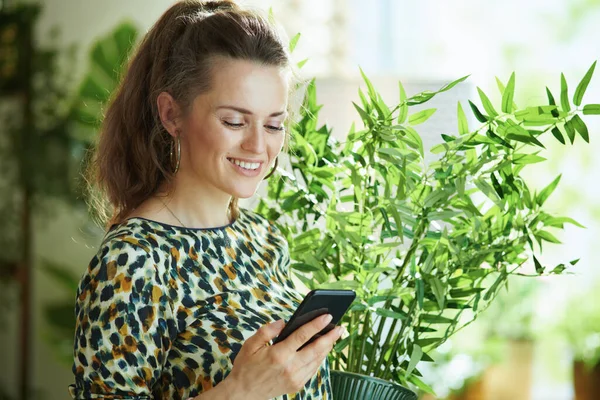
x=261 y=372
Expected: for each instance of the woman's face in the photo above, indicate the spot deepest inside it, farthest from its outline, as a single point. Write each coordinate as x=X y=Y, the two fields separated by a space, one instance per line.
x=234 y=132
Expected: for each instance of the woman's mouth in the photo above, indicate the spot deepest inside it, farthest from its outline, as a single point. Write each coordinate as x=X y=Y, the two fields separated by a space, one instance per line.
x=246 y=168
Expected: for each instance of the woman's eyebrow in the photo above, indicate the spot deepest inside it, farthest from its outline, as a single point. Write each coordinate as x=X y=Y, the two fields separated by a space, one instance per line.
x=248 y=112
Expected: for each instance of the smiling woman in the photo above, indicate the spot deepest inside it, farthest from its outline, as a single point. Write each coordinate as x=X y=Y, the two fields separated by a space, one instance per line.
x=181 y=297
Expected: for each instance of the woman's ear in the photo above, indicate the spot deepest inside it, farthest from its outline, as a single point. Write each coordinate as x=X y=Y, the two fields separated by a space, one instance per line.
x=169 y=113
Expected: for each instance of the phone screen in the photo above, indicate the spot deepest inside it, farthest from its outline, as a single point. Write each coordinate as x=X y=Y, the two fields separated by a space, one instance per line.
x=316 y=303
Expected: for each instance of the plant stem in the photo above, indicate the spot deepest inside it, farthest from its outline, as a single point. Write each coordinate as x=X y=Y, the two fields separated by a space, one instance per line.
x=352 y=338
x=365 y=335
x=399 y=337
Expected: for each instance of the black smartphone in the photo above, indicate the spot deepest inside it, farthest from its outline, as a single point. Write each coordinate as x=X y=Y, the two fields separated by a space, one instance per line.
x=316 y=303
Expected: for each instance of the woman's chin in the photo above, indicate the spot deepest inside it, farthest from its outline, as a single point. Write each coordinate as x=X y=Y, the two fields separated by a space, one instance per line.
x=244 y=193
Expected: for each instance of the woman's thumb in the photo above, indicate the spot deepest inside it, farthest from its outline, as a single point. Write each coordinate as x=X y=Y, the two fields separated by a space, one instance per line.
x=277 y=326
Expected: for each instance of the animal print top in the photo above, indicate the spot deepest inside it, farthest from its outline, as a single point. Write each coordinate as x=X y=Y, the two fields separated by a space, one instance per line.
x=163 y=310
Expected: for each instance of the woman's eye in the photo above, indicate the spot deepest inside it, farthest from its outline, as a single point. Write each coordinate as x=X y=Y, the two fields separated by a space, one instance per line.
x=275 y=128
x=232 y=124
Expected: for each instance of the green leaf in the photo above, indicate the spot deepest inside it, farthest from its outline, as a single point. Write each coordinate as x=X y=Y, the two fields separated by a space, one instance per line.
x=414 y=139
x=547 y=236
x=389 y=313
x=468 y=292
x=421 y=116
x=520 y=134
x=340 y=285
x=480 y=117
x=300 y=64
x=294 y=41
x=547 y=191
x=452 y=84
x=367 y=119
x=487 y=104
x=507 y=96
x=560 y=221
x=591 y=109
x=556 y=133
x=570 y=129
x=538 y=267
x=421 y=385
x=551 y=100
x=463 y=125
x=403 y=112
x=580 y=91
x=370 y=88
x=490 y=292
x=436 y=319
x=564 y=94
x=558 y=269
x=415 y=357
x=522 y=159
x=439 y=291
x=580 y=127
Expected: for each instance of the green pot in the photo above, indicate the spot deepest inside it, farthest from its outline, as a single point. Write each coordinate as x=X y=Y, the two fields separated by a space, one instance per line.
x=351 y=386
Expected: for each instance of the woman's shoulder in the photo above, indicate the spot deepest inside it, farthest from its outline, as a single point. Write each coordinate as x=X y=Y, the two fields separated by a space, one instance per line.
x=260 y=223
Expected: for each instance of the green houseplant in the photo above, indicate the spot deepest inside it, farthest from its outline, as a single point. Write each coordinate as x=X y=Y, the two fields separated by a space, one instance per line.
x=37 y=160
x=426 y=247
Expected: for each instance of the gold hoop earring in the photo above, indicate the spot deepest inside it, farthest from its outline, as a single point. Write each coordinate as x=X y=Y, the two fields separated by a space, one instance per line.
x=273 y=170
x=175 y=154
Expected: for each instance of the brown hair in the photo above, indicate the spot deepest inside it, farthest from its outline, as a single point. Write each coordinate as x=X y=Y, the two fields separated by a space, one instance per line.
x=132 y=157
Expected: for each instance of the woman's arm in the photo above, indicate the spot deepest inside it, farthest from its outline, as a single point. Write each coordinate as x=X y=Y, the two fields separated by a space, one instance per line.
x=224 y=390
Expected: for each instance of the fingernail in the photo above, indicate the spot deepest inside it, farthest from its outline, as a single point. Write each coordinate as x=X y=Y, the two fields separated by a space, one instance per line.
x=327 y=318
x=340 y=330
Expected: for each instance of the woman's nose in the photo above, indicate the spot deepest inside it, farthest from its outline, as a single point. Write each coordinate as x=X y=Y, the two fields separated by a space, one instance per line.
x=254 y=139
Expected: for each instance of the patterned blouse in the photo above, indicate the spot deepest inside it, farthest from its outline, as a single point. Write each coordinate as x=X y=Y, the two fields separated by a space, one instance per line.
x=163 y=310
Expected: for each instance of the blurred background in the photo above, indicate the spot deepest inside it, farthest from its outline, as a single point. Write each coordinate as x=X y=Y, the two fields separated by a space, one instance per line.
x=58 y=61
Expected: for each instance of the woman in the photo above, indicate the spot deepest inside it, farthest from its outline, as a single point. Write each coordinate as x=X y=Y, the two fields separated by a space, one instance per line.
x=179 y=301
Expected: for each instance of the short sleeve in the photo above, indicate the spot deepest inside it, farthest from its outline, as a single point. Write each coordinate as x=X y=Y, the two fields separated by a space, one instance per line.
x=124 y=325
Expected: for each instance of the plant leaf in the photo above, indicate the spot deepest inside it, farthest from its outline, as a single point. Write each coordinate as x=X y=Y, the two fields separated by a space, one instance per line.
x=551 y=100
x=463 y=125
x=547 y=236
x=507 y=96
x=547 y=191
x=556 y=133
x=389 y=313
x=294 y=42
x=591 y=109
x=538 y=267
x=480 y=117
x=580 y=91
x=439 y=291
x=522 y=159
x=487 y=104
x=580 y=127
x=421 y=116
x=564 y=94
x=403 y=113
x=570 y=129
x=415 y=357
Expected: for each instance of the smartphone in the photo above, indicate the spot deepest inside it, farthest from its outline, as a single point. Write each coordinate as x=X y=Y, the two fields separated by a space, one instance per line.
x=316 y=303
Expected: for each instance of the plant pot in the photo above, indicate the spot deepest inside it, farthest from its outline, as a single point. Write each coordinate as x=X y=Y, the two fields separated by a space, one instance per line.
x=516 y=368
x=586 y=381
x=472 y=391
x=352 y=386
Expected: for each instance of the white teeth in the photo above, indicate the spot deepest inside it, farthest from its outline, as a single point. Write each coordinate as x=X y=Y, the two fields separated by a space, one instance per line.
x=245 y=165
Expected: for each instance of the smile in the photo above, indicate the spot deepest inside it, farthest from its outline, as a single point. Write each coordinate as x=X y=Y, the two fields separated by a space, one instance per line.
x=245 y=165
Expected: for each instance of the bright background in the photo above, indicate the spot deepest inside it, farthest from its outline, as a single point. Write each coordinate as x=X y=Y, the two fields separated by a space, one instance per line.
x=425 y=44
